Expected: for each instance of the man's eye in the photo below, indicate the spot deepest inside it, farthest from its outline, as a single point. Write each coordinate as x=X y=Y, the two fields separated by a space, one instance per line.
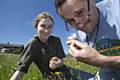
x=79 y=13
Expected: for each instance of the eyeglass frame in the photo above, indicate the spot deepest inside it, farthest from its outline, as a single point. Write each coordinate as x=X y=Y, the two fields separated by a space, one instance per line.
x=66 y=22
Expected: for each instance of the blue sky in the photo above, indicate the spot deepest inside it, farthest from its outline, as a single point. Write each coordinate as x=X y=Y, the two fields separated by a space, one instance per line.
x=16 y=17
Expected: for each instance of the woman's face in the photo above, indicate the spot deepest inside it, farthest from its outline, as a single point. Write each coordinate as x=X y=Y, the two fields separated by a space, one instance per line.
x=77 y=14
x=44 y=28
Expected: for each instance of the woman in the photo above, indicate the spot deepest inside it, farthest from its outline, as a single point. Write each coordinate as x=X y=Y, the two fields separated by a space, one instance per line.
x=44 y=50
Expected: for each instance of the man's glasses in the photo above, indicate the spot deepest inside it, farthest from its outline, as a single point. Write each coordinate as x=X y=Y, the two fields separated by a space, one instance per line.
x=69 y=23
x=82 y=20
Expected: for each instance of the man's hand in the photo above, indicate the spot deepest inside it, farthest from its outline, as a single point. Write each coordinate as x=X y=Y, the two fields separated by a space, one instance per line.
x=81 y=51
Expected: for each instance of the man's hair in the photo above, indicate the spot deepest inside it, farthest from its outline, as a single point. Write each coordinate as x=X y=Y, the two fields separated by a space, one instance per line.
x=59 y=3
x=40 y=16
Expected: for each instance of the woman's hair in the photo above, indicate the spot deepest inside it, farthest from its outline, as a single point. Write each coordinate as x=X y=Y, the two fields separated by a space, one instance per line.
x=40 y=16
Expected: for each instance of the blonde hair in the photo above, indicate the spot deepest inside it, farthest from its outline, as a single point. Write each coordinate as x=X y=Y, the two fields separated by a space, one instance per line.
x=42 y=16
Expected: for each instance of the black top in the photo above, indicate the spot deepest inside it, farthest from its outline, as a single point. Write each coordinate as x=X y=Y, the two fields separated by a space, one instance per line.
x=40 y=53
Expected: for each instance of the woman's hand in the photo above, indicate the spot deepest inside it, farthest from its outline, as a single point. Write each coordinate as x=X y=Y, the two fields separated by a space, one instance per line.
x=55 y=62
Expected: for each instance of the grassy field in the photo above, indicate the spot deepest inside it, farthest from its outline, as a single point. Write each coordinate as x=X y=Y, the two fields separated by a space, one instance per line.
x=8 y=63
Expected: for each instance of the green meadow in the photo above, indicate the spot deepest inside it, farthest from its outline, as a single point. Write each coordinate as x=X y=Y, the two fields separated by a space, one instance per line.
x=8 y=63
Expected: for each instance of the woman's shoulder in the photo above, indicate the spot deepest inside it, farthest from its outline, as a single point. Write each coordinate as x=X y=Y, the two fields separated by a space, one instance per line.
x=33 y=40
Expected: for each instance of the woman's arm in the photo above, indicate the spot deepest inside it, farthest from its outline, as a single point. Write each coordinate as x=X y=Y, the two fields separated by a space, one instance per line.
x=18 y=75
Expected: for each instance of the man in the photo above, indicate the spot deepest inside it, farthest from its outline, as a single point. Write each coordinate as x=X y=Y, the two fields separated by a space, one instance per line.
x=99 y=29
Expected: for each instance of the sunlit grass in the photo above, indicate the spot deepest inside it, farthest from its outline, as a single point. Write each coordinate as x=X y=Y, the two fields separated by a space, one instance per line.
x=8 y=63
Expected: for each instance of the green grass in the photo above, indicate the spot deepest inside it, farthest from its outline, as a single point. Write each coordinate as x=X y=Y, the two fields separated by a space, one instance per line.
x=8 y=63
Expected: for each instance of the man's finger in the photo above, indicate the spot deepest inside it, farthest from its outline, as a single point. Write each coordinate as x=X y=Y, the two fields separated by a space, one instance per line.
x=72 y=51
x=79 y=44
x=70 y=38
x=69 y=42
